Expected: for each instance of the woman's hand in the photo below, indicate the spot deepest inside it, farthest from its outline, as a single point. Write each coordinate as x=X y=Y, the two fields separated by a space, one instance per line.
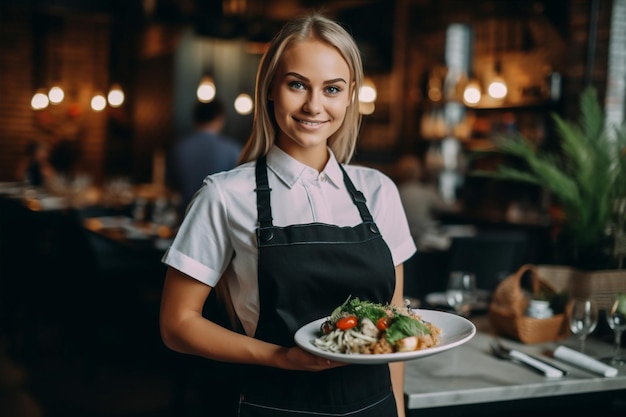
x=297 y=359
x=185 y=330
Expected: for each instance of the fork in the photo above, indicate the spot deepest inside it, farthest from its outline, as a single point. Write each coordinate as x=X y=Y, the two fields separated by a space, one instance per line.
x=546 y=369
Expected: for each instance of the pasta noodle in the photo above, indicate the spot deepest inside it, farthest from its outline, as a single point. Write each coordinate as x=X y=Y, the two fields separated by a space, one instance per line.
x=348 y=341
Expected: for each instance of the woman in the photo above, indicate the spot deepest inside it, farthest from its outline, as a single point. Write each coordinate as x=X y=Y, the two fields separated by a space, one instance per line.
x=291 y=233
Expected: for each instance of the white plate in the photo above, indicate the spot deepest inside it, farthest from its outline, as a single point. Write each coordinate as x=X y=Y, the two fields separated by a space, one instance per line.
x=455 y=330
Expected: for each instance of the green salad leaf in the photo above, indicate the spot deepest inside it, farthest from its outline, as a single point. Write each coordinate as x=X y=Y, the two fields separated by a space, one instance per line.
x=405 y=326
x=360 y=309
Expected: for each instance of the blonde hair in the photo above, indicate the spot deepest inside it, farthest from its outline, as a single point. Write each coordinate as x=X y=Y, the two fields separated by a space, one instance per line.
x=264 y=127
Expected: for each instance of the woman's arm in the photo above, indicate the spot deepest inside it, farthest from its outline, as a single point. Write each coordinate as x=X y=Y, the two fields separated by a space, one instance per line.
x=397 y=368
x=185 y=330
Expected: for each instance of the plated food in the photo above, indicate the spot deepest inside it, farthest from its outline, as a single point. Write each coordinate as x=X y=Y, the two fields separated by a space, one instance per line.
x=363 y=327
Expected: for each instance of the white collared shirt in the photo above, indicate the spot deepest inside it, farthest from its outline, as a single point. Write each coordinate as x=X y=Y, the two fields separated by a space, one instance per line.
x=221 y=221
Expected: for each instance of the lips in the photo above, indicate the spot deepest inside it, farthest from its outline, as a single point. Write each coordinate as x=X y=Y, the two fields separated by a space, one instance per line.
x=312 y=123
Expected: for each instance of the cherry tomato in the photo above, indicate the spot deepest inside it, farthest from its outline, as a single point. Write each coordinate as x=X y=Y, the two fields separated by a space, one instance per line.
x=346 y=323
x=382 y=323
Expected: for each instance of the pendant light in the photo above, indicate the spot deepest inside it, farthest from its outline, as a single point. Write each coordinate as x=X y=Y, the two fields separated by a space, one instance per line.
x=206 y=89
x=367 y=92
x=40 y=100
x=497 y=88
x=41 y=32
x=98 y=102
x=367 y=96
x=244 y=104
x=116 y=97
x=56 y=95
x=472 y=93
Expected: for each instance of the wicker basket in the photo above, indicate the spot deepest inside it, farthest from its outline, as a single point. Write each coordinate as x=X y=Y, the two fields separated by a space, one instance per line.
x=508 y=306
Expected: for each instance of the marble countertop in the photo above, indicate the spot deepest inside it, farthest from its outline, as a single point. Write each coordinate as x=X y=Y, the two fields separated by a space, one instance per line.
x=469 y=374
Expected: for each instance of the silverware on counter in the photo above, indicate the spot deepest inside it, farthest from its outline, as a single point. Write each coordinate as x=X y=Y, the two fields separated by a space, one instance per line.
x=532 y=362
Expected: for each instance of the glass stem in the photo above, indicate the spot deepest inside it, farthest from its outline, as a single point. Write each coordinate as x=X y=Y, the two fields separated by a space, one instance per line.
x=582 y=344
x=618 y=342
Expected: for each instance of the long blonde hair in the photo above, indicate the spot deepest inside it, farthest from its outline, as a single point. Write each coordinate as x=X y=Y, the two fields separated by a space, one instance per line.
x=264 y=127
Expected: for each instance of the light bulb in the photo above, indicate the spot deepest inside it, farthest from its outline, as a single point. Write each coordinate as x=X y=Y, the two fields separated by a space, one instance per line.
x=39 y=101
x=206 y=90
x=497 y=88
x=116 y=96
x=243 y=104
x=367 y=92
x=98 y=102
x=472 y=94
x=56 y=95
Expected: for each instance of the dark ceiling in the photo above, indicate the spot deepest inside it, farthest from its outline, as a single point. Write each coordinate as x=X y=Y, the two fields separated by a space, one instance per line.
x=370 y=21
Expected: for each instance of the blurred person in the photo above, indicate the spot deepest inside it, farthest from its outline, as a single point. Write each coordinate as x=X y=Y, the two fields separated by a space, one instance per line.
x=422 y=203
x=35 y=167
x=65 y=158
x=287 y=236
x=205 y=151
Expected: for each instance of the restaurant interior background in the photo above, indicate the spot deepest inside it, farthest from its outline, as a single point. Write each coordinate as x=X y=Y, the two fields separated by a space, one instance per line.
x=158 y=52
x=419 y=55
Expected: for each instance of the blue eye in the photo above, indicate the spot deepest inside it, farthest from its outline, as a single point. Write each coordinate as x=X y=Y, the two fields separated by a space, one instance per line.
x=297 y=85
x=333 y=90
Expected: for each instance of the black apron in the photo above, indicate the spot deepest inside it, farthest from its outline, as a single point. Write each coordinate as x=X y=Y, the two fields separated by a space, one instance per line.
x=305 y=271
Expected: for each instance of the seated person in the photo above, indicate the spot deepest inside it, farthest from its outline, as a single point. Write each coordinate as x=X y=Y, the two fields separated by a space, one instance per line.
x=422 y=202
x=35 y=168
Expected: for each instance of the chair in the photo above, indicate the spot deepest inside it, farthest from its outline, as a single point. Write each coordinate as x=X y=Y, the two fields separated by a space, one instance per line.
x=491 y=255
x=423 y=273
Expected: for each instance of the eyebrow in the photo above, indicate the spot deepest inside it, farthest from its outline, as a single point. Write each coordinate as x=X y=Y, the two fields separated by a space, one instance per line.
x=299 y=76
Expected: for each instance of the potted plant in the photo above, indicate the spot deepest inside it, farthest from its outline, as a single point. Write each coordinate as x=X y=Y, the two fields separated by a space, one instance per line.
x=586 y=178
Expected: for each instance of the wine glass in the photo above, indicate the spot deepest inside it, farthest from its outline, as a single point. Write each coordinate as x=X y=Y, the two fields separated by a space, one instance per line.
x=461 y=292
x=616 y=318
x=583 y=319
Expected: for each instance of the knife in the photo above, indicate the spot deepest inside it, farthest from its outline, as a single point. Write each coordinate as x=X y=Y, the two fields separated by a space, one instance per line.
x=544 y=368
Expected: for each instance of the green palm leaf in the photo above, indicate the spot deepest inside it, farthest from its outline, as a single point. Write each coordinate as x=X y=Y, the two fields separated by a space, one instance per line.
x=585 y=177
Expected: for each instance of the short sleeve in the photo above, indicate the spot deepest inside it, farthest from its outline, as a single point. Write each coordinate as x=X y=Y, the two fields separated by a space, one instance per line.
x=203 y=247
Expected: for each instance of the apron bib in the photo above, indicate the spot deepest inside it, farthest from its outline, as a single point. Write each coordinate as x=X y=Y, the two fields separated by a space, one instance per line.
x=305 y=271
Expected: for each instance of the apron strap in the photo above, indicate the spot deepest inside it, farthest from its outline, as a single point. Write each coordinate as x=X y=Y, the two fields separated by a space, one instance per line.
x=263 y=189
x=357 y=197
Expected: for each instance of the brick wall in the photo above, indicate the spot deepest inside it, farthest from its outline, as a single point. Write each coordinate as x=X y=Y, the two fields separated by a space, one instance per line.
x=16 y=119
x=35 y=51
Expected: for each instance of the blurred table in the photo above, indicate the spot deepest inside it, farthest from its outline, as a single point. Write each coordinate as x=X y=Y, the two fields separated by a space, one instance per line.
x=136 y=236
x=56 y=260
x=469 y=380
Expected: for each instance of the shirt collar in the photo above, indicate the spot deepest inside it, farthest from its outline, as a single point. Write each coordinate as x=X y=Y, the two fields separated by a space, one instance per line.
x=289 y=170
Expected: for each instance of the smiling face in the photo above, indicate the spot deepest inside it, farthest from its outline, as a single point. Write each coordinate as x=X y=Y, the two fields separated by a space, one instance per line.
x=311 y=91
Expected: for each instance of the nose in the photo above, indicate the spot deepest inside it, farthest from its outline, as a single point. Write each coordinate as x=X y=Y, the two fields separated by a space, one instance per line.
x=313 y=104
